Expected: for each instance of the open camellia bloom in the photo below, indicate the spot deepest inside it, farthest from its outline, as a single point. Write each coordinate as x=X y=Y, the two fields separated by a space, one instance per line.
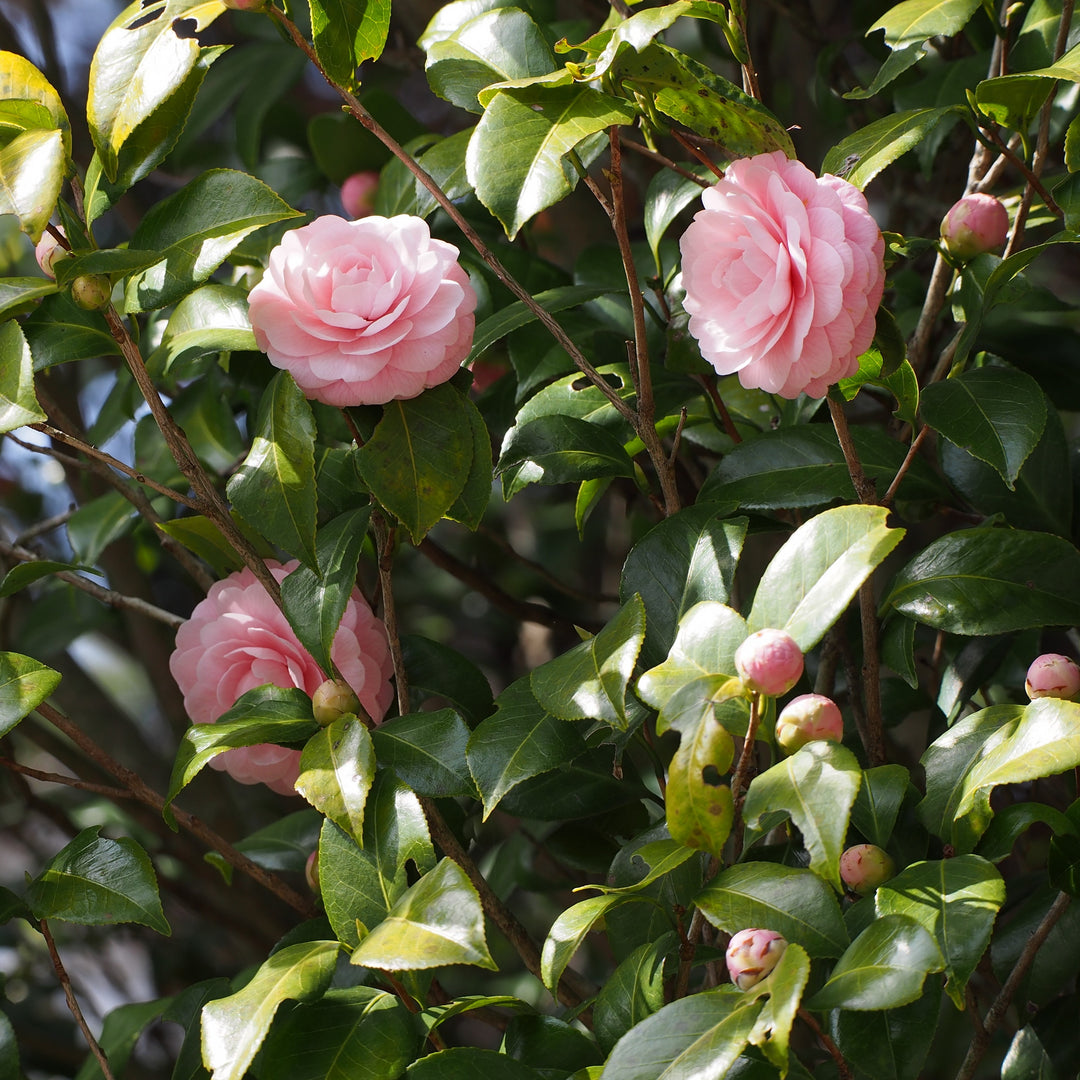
x=237 y=639
x=783 y=273
x=363 y=312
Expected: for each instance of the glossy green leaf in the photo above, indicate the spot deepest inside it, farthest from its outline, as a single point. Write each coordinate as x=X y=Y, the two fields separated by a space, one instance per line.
x=470 y=1063
x=782 y=989
x=901 y=383
x=96 y=524
x=348 y=32
x=700 y=810
x=591 y=680
x=212 y=319
x=698 y=1036
x=814 y=576
x=1027 y=1059
x=876 y=806
x=120 y=1032
x=947 y=762
x=561 y=1047
x=861 y=156
x=274 y=487
x=10 y=1069
x=337 y=768
x=890 y=1044
x=668 y=194
x=19 y=294
x=143 y=59
x=496 y=46
x=284 y=844
x=471 y=505
x=662 y=857
x=795 y=903
x=1010 y=822
x=233 y=1028
x=1013 y=100
x=439 y=921
x=883 y=968
x=569 y=930
x=205 y=539
x=996 y=414
x=28 y=99
x=350 y=1034
x=98 y=882
x=634 y=991
x=559 y=449
x=816 y=786
x=58 y=331
x=517 y=157
x=687 y=558
x=147 y=146
x=195 y=230
x=265 y=714
x=428 y=751
x=521 y=740
x=419 y=459
x=899 y=60
x=23 y=574
x=32 y=169
x=439 y=671
x=804 y=466
x=315 y=601
x=990 y=581
x=917 y=20
x=24 y=684
x=956 y=900
x=18 y=403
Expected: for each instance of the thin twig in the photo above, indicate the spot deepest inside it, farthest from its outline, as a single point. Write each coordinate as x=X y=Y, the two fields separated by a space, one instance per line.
x=72 y=1003
x=145 y=794
x=40 y=528
x=940 y=280
x=842 y=1066
x=384 y=543
x=1001 y=1003
x=864 y=486
x=67 y=781
x=913 y=449
x=99 y=592
x=710 y=382
x=871 y=674
x=661 y=159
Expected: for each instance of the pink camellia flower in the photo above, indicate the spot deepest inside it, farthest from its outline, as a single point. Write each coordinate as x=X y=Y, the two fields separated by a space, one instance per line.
x=976 y=223
x=358 y=193
x=1052 y=675
x=783 y=273
x=769 y=662
x=364 y=312
x=238 y=639
x=808 y=718
x=752 y=954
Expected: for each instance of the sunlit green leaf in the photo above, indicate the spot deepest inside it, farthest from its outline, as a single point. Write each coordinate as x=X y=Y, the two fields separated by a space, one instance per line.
x=337 y=768
x=18 y=403
x=24 y=684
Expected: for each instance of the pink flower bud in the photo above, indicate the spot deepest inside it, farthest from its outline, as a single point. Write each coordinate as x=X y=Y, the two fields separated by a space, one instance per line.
x=91 y=292
x=752 y=954
x=864 y=867
x=807 y=718
x=48 y=251
x=311 y=872
x=245 y=5
x=769 y=662
x=1052 y=675
x=332 y=700
x=358 y=194
x=975 y=224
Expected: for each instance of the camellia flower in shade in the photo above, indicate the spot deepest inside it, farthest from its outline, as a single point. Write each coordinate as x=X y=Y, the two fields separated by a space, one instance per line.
x=783 y=273
x=238 y=639
x=363 y=312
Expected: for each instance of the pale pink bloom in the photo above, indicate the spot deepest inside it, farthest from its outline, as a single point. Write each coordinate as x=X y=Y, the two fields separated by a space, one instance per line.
x=364 y=312
x=783 y=273
x=769 y=662
x=809 y=718
x=1052 y=675
x=975 y=224
x=752 y=954
x=238 y=639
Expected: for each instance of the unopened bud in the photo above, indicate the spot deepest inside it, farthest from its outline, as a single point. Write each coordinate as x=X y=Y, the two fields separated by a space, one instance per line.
x=245 y=5
x=48 y=252
x=752 y=954
x=1052 y=675
x=808 y=718
x=358 y=194
x=769 y=662
x=311 y=872
x=864 y=867
x=91 y=292
x=333 y=700
x=975 y=224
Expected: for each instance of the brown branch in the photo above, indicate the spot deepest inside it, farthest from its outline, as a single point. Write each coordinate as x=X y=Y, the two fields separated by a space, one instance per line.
x=1001 y=1003
x=67 y=781
x=72 y=1003
x=842 y=1066
x=864 y=486
x=871 y=674
x=39 y=528
x=710 y=383
x=384 y=542
x=661 y=159
x=739 y=779
x=146 y=795
x=913 y=449
x=99 y=592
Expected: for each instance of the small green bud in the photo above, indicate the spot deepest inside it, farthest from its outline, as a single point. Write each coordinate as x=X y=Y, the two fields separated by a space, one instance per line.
x=91 y=292
x=333 y=700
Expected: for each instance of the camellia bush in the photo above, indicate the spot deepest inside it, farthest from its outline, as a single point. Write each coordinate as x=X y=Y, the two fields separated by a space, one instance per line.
x=595 y=483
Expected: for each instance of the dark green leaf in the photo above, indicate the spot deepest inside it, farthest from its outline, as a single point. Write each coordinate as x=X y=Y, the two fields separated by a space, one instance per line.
x=121 y=1031
x=275 y=485
x=882 y=791
x=194 y=230
x=24 y=684
x=18 y=294
x=23 y=574
x=917 y=20
x=634 y=991
x=470 y=1063
x=10 y=1068
x=438 y=922
x=1010 y=822
x=569 y=930
x=668 y=194
x=428 y=751
x=96 y=524
x=1027 y=1059
x=883 y=968
x=439 y=671
x=98 y=882
x=795 y=903
x=233 y=1028
x=419 y=459
x=990 y=581
x=58 y=331
x=348 y=32
x=471 y=505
